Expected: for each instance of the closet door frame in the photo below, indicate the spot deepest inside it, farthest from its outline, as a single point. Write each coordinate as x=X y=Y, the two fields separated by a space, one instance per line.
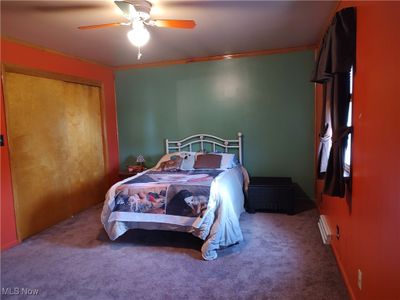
x=62 y=77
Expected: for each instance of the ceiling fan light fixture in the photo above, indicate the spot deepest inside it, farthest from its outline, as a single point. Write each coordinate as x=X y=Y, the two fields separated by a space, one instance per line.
x=139 y=36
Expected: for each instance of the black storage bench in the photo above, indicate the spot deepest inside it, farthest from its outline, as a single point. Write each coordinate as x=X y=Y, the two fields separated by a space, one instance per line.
x=270 y=194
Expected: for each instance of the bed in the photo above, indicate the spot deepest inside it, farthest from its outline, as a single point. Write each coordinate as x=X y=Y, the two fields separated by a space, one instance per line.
x=196 y=187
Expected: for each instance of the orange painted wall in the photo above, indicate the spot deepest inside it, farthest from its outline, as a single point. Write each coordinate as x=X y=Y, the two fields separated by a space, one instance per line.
x=370 y=231
x=33 y=58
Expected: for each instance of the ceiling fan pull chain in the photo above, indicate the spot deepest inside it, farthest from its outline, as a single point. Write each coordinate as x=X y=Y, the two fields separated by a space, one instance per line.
x=139 y=55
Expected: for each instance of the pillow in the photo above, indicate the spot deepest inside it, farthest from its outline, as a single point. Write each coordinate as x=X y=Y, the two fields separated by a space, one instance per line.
x=168 y=156
x=188 y=161
x=173 y=164
x=228 y=160
x=208 y=161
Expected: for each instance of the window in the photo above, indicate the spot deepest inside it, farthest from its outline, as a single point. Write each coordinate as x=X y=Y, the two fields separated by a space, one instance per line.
x=347 y=155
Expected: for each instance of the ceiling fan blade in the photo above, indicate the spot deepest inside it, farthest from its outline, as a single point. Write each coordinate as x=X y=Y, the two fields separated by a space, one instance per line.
x=100 y=26
x=186 y=24
x=128 y=9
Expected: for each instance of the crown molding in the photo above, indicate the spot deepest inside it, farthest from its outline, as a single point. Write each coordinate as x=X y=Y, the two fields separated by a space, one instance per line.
x=216 y=57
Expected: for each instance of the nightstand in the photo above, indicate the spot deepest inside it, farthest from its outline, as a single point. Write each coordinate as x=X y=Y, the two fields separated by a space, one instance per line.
x=125 y=174
x=271 y=194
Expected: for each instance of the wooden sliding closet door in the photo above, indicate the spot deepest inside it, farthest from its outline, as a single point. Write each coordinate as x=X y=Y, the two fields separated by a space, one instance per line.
x=56 y=149
x=85 y=167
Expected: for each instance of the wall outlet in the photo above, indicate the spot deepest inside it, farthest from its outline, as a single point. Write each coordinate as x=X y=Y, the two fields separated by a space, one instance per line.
x=359 y=280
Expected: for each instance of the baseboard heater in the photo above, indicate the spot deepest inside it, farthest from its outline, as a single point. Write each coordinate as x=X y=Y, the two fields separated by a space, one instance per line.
x=326 y=233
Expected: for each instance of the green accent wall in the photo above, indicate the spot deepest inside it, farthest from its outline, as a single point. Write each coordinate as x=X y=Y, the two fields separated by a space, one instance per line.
x=267 y=98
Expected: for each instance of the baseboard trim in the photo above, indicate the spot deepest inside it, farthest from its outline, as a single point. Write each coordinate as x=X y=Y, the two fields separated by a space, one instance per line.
x=9 y=245
x=344 y=274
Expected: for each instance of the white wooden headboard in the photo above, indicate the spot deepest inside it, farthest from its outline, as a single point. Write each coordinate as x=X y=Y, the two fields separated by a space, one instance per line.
x=206 y=142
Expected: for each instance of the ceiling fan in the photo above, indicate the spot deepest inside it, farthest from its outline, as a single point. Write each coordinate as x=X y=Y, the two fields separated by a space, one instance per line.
x=138 y=14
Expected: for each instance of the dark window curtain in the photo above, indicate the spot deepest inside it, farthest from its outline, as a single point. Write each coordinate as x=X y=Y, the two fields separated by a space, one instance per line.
x=335 y=58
